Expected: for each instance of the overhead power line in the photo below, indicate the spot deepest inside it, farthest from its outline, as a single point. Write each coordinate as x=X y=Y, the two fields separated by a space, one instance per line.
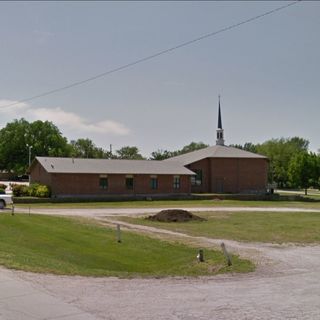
x=155 y=55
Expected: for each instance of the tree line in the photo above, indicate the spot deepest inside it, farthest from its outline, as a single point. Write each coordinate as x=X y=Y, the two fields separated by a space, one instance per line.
x=291 y=165
x=43 y=138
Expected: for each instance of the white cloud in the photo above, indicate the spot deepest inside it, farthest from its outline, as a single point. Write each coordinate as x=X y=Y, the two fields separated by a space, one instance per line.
x=63 y=119
x=16 y=108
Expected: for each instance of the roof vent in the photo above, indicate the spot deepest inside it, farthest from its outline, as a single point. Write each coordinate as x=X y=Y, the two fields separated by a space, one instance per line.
x=52 y=166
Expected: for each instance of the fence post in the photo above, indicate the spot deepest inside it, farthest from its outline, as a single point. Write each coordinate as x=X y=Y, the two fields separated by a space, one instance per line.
x=226 y=254
x=200 y=255
x=12 y=210
x=118 y=233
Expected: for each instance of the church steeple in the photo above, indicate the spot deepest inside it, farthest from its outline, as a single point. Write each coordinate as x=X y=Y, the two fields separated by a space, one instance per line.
x=220 y=137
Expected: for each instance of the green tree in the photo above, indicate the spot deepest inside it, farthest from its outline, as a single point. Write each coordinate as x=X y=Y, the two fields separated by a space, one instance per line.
x=85 y=148
x=165 y=154
x=280 y=152
x=193 y=146
x=304 y=171
x=130 y=153
x=161 y=155
x=16 y=137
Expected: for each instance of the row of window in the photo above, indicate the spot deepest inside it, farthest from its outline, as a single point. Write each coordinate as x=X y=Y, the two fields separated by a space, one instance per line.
x=129 y=182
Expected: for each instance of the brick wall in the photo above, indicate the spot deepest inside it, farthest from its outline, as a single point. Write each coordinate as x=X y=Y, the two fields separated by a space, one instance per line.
x=88 y=184
x=39 y=175
x=231 y=175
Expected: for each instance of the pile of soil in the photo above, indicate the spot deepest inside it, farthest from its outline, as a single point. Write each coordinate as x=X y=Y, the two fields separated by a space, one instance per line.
x=174 y=215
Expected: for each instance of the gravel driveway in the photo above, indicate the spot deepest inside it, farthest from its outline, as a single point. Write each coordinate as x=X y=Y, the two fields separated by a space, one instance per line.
x=286 y=284
x=100 y=212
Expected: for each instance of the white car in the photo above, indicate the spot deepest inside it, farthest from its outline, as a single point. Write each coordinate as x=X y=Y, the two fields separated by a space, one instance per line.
x=5 y=200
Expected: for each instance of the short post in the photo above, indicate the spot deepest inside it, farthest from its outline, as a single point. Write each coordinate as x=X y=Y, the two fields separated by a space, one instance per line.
x=29 y=210
x=12 y=210
x=226 y=254
x=200 y=255
x=118 y=233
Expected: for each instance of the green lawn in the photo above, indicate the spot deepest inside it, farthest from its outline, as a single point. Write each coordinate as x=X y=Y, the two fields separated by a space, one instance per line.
x=176 y=203
x=273 y=227
x=79 y=247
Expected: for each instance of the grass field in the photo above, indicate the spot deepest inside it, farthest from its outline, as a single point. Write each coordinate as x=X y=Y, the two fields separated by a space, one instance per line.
x=79 y=247
x=176 y=203
x=273 y=227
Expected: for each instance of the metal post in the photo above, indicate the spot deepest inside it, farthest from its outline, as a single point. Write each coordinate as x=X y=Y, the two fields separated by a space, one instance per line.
x=30 y=147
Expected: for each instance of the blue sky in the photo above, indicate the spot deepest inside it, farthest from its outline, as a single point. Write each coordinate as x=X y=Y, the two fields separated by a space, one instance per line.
x=267 y=71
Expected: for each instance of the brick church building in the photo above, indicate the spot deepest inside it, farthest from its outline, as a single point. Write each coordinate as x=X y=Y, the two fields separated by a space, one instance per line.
x=223 y=169
x=216 y=169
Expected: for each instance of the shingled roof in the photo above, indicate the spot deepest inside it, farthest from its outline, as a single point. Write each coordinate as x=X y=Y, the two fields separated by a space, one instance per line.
x=217 y=151
x=108 y=166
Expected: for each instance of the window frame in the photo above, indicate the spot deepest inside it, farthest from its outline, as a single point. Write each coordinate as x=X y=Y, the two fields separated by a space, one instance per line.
x=176 y=182
x=154 y=186
x=129 y=186
x=103 y=186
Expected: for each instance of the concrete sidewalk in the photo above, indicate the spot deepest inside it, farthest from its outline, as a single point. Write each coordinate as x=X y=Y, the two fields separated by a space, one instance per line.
x=19 y=300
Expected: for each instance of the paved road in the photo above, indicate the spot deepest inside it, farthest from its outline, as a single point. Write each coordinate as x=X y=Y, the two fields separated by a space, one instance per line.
x=22 y=300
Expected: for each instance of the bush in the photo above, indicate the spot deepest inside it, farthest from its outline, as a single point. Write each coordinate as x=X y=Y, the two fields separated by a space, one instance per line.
x=43 y=191
x=19 y=190
x=34 y=190
x=2 y=191
x=3 y=186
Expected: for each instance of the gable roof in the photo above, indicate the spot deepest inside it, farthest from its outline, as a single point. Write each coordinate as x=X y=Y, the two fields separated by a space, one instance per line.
x=110 y=166
x=217 y=151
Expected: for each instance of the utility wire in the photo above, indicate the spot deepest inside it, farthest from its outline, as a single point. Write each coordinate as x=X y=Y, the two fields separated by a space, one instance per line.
x=128 y=65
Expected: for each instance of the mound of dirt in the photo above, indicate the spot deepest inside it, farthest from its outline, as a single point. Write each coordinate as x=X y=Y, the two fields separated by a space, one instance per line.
x=174 y=215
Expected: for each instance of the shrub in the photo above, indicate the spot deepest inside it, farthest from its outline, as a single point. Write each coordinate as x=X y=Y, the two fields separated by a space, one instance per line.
x=19 y=190
x=34 y=190
x=42 y=191
x=2 y=191
x=3 y=186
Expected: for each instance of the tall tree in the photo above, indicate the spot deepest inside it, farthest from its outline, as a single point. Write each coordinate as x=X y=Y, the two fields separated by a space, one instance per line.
x=193 y=146
x=20 y=136
x=85 y=148
x=280 y=152
x=161 y=155
x=165 y=154
x=130 y=153
x=304 y=171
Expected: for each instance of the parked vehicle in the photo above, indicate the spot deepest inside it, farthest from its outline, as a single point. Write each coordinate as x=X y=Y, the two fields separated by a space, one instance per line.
x=5 y=200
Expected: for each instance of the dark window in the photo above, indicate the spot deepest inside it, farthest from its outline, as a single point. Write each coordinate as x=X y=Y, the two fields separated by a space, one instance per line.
x=197 y=179
x=154 y=183
x=129 y=183
x=176 y=182
x=103 y=183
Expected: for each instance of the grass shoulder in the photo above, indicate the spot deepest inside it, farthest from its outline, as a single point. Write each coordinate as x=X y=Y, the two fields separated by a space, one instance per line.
x=80 y=247
x=271 y=227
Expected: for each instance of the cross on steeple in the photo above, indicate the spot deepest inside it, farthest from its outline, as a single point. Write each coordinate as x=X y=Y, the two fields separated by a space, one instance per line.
x=220 y=137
